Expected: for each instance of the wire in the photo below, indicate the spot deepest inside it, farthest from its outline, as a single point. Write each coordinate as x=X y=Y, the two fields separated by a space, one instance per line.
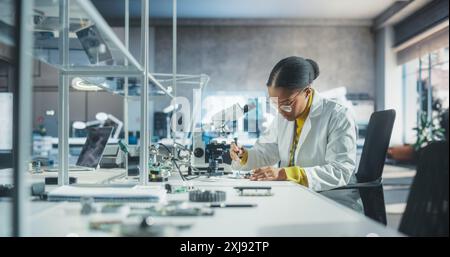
x=179 y=170
x=165 y=147
x=174 y=161
x=191 y=178
x=196 y=170
x=185 y=178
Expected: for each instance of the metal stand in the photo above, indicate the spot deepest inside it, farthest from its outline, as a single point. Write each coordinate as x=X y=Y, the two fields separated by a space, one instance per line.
x=22 y=116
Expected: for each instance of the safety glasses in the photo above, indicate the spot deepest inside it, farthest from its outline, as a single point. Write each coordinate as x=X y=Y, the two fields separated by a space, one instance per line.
x=285 y=105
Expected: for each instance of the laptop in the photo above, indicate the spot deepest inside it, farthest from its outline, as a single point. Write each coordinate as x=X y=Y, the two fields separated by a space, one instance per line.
x=92 y=151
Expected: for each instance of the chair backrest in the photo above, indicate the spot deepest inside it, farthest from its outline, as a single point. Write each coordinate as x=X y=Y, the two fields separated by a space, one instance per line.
x=426 y=212
x=375 y=146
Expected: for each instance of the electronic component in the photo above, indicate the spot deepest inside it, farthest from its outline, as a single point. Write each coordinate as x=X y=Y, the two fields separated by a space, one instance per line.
x=54 y=180
x=87 y=206
x=254 y=190
x=147 y=228
x=109 y=158
x=153 y=177
x=160 y=165
x=109 y=217
x=207 y=196
x=168 y=188
x=198 y=150
x=115 y=208
x=6 y=190
x=177 y=189
x=174 y=208
x=237 y=174
x=36 y=166
x=247 y=175
x=37 y=189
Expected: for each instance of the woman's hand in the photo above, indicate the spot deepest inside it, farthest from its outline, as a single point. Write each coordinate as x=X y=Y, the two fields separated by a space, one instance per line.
x=236 y=152
x=268 y=173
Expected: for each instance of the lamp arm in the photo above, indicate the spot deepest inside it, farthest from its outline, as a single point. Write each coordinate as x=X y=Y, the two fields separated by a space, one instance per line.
x=119 y=125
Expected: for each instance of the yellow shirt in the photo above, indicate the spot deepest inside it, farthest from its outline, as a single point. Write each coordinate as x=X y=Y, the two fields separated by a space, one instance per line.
x=293 y=173
x=296 y=173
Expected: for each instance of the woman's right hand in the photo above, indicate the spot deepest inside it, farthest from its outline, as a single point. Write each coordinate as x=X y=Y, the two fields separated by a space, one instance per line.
x=236 y=152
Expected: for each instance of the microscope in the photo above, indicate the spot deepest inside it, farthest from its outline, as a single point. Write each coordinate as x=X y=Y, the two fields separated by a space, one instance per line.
x=213 y=155
x=216 y=154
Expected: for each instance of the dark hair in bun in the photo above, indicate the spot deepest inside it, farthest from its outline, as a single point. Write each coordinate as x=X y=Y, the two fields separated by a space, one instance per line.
x=293 y=73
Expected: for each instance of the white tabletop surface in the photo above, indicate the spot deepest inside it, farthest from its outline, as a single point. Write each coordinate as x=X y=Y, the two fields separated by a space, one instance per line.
x=292 y=210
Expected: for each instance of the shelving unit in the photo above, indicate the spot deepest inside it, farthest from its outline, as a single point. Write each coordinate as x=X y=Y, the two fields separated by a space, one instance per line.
x=55 y=30
x=73 y=16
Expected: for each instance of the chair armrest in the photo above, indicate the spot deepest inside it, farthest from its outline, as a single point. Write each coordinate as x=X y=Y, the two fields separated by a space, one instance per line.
x=370 y=184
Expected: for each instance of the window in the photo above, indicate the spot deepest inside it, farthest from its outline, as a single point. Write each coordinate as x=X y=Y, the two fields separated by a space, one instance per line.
x=426 y=90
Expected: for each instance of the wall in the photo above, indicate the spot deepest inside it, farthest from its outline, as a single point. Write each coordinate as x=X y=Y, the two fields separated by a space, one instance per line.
x=236 y=57
x=389 y=88
x=240 y=57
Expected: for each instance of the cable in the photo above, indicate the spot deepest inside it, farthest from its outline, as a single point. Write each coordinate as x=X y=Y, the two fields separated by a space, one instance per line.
x=191 y=178
x=179 y=170
x=174 y=161
x=196 y=170
x=165 y=147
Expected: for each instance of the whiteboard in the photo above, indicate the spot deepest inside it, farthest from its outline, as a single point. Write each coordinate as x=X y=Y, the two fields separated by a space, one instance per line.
x=6 y=121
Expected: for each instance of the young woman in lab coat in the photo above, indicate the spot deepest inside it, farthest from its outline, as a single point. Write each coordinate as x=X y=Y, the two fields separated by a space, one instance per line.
x=313 y=139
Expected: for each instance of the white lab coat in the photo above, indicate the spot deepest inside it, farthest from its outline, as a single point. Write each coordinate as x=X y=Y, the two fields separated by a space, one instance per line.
x=326 y=148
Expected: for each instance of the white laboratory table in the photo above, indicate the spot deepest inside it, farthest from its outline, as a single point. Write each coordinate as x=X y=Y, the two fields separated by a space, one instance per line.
x=291 y=211
x=99 y=176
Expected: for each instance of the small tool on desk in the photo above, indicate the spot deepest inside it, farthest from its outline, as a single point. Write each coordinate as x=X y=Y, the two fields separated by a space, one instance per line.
x=148 y=228
x=254 y=190
x=171 y=189
x=233 y=205
x=207 y=196
x=239 y=154
x=240 y=148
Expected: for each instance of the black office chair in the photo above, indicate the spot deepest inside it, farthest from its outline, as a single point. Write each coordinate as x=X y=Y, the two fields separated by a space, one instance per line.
x=371 y=198
x=369 y=183
x=373 y=203
x=426 y=212
x=374 y=150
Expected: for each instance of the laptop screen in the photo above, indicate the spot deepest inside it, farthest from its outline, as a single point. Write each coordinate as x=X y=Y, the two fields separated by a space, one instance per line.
x=93 y=149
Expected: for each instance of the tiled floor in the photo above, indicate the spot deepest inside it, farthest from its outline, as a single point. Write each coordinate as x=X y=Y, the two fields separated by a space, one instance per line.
x=397 y=181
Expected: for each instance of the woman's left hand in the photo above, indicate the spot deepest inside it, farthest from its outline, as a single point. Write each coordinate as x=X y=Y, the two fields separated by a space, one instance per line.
x=268 y=173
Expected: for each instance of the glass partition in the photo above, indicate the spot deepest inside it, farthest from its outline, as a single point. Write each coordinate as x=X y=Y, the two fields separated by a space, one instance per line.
x=92 y=43
x=7 y=85
x=104 y=71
